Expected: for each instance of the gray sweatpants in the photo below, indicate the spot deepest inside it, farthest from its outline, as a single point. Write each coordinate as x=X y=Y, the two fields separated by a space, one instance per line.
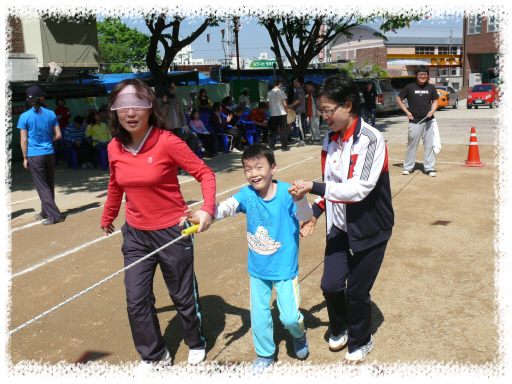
x=314 y=125
x=416 y=132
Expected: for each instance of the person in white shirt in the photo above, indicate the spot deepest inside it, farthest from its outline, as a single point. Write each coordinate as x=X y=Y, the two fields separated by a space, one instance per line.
x=278 y=107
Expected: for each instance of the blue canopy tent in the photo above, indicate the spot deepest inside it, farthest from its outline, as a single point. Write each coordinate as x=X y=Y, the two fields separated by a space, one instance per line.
x=110 y=80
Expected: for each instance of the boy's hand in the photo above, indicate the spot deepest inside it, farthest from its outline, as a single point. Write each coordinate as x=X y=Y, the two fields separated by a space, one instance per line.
x=302 y=186
x=307 y=228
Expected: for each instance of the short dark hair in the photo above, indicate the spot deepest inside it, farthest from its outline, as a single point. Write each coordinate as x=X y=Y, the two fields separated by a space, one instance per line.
x=193 y=111
x=91 y=118
x=421 y=68
x=255 y=151
x=216 y=106
x=57 y=99
x=263 y=105
x=102 y=109
x=309 y=82
x=78 y=119
x=300 y=80
x=238 y=109
x=277 y=81
x=340 y=88
x=226 y=100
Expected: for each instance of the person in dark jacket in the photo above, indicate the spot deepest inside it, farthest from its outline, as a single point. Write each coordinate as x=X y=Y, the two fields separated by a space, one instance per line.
x=356 y=196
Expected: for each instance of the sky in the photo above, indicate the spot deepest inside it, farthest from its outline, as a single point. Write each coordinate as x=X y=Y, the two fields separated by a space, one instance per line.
x=254 y=39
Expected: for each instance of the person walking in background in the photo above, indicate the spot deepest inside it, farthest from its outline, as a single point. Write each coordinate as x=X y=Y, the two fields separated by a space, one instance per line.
x=39 y=128
x=278 y=106
x=422 y=98
x=370 y=103
x=299 y=106
x=312 y=111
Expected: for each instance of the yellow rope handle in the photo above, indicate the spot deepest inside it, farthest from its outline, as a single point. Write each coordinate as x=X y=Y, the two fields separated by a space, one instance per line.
x=191 y=230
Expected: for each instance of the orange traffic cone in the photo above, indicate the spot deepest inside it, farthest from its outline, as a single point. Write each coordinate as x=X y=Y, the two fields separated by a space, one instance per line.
x=473 y=155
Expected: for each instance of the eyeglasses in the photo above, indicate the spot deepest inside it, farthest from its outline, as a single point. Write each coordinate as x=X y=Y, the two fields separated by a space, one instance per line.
x=329 y=112
x=422 y=75
x=124 y=111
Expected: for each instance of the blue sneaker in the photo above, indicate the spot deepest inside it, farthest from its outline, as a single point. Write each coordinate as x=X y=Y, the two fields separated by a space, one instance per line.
x=260 y=364
x=301 y=346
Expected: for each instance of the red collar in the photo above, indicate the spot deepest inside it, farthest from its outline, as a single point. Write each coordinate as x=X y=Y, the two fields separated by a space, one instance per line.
x=348 y=133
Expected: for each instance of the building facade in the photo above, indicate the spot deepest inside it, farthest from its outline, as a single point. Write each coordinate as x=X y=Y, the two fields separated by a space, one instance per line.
x=440 y=49
x=481 y=49
x=34 y=42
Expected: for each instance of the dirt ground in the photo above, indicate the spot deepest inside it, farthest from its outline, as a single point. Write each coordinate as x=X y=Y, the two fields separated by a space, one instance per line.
x=433 y=301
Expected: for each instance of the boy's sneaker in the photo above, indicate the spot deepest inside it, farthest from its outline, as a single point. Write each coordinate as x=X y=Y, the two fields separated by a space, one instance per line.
x=146 y=367
x=431 y=173
x=260 y=364
x=301 y=346
x=360 y=353
x=196 y=356
x=337 y=343
x=235 y=150
x=405 y=172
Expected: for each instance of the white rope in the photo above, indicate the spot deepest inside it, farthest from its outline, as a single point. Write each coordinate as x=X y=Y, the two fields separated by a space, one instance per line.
x=94 y=286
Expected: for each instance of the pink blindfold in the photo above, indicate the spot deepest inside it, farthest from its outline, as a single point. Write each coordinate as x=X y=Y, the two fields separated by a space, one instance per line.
x=128 y=97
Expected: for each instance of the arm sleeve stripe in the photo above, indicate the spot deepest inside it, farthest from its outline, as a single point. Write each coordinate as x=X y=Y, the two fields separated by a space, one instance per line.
x=370 y=154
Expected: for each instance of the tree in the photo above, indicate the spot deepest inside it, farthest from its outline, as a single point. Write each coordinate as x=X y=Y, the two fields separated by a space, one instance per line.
x=367 y=70
x=300 y=38
x=171 y=42
x=121 y=48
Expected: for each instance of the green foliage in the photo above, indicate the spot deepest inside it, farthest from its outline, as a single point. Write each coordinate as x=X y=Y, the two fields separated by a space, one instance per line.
x=121 y=48
x=367 y=70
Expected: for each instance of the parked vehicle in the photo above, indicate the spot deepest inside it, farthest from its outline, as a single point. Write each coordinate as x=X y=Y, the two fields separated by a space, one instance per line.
x=451 y=95
x=483 y=95
x=443 y=100
x=386 y=93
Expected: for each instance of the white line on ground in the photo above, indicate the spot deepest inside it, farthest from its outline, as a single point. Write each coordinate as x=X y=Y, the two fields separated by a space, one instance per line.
x=441 y=162
x=34 y=267
x=32 y=198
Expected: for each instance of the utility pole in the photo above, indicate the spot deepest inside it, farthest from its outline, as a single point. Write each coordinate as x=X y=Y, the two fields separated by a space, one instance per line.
x=235 y=26
x=450 y=68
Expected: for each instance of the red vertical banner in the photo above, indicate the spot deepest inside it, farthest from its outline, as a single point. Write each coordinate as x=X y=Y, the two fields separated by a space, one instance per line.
x=208 y=37
x=222 y=31
x=321 y=55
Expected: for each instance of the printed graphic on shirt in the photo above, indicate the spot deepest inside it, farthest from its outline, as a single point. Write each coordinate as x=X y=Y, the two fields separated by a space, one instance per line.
x=262 y=243
x=420 y=92
x=150 y=160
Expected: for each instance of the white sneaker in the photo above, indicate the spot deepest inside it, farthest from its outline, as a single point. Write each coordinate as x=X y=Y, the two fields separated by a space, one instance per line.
x=146 y=368
x=235 y=150
x=432 y=173
x=359 y=354
x=405 y=172
x=337 y=343
x=196 y=356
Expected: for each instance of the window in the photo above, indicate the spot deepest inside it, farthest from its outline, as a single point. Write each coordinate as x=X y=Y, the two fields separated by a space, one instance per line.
x=474 y=25
x=492 y=24
x=339 y=55
x=424 y=50
x=443 y=72
x=445 y=50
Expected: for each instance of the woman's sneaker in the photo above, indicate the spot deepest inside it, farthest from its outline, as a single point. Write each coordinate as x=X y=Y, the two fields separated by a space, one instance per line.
x=359 y=354
x=337 y=343
x=146 y=368
x=196 y=356
x=260 y=364
x=405 y=172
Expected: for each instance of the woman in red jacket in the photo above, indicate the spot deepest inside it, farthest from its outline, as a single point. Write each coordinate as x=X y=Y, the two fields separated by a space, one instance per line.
x=144 y=160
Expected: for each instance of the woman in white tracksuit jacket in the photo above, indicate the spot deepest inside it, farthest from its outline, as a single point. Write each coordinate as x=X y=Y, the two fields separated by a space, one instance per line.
x=356 y=196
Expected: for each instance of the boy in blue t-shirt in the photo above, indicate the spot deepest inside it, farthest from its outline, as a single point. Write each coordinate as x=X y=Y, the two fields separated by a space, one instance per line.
x=273 y=239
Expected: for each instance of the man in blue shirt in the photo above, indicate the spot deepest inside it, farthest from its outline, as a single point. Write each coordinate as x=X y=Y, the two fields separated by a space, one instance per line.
x=39 y=128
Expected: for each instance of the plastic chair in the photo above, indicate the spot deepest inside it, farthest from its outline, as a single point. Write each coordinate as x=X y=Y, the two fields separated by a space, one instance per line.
x=102 y=156
x=222 y=139
x=73 y=157
x=251 y=131
x=58 y=151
